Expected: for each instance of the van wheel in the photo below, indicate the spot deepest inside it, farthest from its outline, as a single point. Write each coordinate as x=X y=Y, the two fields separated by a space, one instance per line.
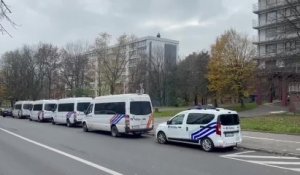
x=85 y=127
x=69 y=124
x=207 y=145
x=30 y=119
x=161 y=137
x=53 y=122
x=114 y=131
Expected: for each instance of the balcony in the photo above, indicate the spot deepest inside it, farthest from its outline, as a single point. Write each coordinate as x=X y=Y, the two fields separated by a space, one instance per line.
x=256 y=8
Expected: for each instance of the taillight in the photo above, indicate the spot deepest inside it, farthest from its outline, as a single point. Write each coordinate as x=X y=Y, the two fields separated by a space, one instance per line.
x=218 y=129
x=127 y=121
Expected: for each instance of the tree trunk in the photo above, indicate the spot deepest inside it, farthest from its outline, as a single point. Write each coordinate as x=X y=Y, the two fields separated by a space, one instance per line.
x=112 y=89
x=242 y=102
x=196 y=100
x=216 y=102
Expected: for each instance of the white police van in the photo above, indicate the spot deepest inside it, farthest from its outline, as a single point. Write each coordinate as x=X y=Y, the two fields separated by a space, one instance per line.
x=126 y=113
x=22 y=109
x=43 y=110
x=209 y=128
x=70 y=111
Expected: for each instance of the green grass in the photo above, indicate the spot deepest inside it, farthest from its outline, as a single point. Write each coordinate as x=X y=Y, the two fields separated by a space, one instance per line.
x=171 y=111
x=281 y=124
x=238 y=108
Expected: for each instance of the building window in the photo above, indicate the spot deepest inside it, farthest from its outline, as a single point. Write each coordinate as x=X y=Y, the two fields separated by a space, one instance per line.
x=279 y=63
x=271 y=17
x=290 y=45
x=270 y=2
x=271 y=32
x=271 y=48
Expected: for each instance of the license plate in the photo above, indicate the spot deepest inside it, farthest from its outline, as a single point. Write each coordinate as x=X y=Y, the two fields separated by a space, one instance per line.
x=135 y=127
x=229 y=134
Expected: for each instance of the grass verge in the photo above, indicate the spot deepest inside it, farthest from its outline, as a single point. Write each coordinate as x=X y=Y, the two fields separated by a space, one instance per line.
x=171 y=111
x=238 y=108
x=280 y=124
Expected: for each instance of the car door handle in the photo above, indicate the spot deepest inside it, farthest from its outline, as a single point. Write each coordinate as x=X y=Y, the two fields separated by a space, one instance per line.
x=201 y=126
x=179 y=126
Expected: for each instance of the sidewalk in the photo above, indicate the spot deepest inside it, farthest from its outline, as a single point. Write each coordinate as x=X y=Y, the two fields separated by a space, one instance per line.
x=273 y=143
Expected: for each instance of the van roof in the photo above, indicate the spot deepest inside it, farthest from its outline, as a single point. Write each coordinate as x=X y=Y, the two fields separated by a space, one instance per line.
x=23 y=102
x=44 y=101
x=122 y=96
x=75 y=99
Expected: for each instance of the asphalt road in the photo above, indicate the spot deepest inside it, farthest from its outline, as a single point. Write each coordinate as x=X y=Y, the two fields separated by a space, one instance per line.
x=32 y=148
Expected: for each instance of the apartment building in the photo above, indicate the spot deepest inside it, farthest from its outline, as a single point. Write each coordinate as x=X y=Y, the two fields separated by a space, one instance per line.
x=151 y=48
x=278 y=45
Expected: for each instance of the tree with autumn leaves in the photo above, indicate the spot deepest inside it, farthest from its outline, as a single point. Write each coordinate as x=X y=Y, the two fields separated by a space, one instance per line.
x=231 y=70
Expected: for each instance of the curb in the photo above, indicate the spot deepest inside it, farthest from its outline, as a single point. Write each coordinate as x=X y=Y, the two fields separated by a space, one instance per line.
x=270 y=151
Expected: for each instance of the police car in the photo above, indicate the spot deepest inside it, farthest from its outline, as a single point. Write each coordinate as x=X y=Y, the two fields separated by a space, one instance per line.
x=209 y=128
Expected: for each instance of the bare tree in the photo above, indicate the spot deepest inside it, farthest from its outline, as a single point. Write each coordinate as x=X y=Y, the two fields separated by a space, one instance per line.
x=4 y=15
x=47 y=57
x=74 y=65
x=112 y=59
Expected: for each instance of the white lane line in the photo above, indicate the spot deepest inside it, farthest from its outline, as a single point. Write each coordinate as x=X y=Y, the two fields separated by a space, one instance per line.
x=244 y=152
x=99 y=167
x=298 y=149
x=262 y=138
x=276 y=163
x=275 y=166
x=263 y=157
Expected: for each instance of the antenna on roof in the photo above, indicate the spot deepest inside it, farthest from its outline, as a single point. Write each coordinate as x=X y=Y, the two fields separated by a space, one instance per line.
x=158 y=35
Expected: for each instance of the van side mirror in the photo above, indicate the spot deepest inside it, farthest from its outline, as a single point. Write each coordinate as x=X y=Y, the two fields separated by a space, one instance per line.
x=85 y=112
x=169 y=122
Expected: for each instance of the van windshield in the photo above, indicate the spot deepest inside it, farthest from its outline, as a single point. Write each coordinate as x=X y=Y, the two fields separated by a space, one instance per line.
x=82 y=106
x=140 y=108
x=50 y=107
x=229 y=119
x=27 y=106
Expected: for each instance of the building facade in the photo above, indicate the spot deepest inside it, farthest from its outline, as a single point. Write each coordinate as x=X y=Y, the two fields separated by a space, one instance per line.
x=149 y=48
x=278 y=45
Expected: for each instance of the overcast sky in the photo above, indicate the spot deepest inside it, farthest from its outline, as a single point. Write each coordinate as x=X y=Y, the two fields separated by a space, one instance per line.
x=194 y=23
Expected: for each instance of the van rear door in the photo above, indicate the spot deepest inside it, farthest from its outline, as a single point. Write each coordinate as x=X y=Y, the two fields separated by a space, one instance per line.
x=230 y=128
x=140 y=113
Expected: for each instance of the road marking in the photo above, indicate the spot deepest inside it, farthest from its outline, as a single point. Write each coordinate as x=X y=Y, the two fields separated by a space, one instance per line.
x=298 y=149
x=248 y=161
x=244 y=152
x=275 y=164
x=99 y=167
x=262 y=138
x=263 y=157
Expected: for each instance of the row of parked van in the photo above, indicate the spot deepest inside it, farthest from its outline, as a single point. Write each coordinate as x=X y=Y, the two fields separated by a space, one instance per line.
x=126 y=113
x=133 y=113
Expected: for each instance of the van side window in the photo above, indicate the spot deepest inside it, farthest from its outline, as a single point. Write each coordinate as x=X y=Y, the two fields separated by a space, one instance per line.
x=178 y=120
x=110 y=108
x=90 y=109
x=66 y=107
x=37 y=107
x=199 y=119
x=82 y=106
x=50 y=107
x=18 y=106
x=27 y=106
